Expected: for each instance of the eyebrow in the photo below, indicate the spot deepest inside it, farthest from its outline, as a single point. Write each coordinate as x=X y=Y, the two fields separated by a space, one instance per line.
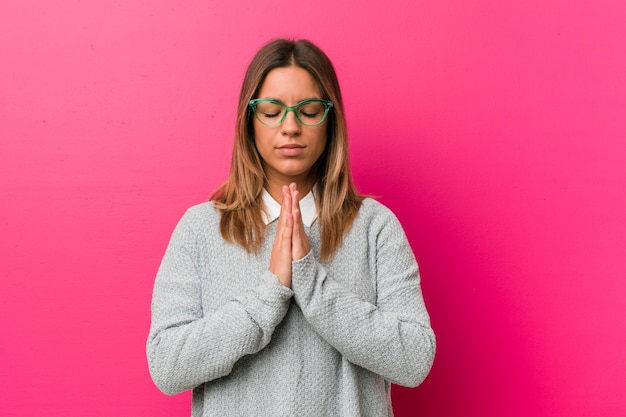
x=304 y=99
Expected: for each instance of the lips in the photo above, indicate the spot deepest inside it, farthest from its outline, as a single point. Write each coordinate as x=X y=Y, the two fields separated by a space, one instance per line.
x=290 y=149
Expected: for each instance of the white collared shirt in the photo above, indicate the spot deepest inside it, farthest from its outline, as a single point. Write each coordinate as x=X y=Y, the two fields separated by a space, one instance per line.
x=272 y=208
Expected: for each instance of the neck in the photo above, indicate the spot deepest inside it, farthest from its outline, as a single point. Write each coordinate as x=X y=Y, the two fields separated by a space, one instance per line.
x=275 y=188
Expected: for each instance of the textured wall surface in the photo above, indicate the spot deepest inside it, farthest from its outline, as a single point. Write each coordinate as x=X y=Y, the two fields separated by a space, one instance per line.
x=495 y=130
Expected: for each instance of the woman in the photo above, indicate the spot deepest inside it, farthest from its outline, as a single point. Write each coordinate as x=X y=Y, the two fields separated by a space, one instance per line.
x=289 y=294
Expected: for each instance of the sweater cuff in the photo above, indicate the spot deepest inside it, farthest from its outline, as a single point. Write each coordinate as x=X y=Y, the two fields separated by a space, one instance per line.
x=271 y=290
x=268 y=303
x=304 y=278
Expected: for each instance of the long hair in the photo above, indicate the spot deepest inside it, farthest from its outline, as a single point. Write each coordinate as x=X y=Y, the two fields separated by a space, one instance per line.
x=239 y=198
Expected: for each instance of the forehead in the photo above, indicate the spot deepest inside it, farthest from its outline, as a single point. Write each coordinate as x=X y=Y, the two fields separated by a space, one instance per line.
x=290 y=85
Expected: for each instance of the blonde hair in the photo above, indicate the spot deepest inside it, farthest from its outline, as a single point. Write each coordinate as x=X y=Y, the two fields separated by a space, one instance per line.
x=239 y=198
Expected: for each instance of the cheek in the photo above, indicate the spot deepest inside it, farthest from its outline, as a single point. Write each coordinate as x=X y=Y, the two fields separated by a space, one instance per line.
x=260 y=140
x=322 y=143
x=322 y=147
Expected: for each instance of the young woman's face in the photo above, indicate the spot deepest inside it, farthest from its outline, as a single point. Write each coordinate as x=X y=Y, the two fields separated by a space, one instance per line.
x=290 y=149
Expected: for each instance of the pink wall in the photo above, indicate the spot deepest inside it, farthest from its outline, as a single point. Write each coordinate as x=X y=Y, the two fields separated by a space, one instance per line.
x=495 y=130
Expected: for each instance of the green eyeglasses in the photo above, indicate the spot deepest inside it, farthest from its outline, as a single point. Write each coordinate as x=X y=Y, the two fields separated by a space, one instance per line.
x=272 y=112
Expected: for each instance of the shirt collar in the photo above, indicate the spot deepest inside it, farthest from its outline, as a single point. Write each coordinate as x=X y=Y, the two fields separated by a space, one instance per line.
x=308 y=208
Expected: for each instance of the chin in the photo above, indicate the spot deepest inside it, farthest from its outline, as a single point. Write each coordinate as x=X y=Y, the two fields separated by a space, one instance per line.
x=294 y=171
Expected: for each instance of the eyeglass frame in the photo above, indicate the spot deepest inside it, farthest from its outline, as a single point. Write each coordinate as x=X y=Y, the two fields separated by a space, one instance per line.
x=327 y=106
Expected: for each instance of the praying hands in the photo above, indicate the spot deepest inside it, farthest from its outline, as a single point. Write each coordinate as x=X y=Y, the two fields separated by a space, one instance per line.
x=291 y=242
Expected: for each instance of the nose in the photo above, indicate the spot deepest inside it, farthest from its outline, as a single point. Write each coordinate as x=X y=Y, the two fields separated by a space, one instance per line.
x=290 y=126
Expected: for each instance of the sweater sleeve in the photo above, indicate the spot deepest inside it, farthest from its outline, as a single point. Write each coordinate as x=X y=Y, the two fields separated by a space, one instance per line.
x=188 y=346
x=392 y=337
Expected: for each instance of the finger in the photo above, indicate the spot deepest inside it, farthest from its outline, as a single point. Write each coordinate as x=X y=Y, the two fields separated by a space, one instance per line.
x=281 y=220
x=300 y=242
x=281 y=256
x=300 y=246
x=295 y=197
x=287 y=204
x=286 y=220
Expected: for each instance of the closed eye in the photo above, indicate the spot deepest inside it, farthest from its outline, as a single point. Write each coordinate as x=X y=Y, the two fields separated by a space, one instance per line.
x=309 y=114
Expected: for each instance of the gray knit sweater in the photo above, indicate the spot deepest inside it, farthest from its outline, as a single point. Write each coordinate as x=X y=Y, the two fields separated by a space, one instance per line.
x=224 y=326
